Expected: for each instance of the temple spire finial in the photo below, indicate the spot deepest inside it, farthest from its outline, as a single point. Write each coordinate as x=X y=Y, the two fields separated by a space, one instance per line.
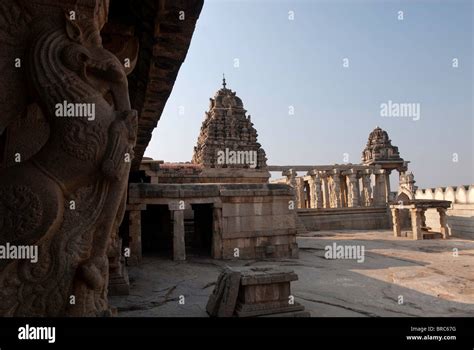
x=223 y=81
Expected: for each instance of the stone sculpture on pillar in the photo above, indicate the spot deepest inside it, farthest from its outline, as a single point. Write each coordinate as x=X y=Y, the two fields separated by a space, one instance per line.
x=366 y=188
x=335 y=193
x=325 y=189
x=316 y=189
x=84 y=162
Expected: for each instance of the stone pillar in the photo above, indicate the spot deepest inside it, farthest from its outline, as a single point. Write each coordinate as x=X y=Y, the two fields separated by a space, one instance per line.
x=423 y=219
x=387 y=185
x=290 y=175
x=344 y=191
x=443 y=221
x=312 y=191
x=217 y=247
x=316 y=189
x=300 y=192
x=416 y=223
x=380 y=188
x=353 y=193
x=366 y=188
x=135 y=233
x=336 y=190
x=325 y=189
x=396 y=222
x=318 y=194
x=179 y=247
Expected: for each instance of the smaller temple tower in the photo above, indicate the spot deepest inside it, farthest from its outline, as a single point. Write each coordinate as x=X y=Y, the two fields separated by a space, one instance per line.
x=380 y=152
x=407 y=188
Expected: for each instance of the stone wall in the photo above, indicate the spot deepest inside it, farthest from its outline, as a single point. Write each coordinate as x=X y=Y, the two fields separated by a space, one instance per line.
x=461 y=213
x=250 y=221
x=188 y=173
x=260 y=226
x=345 y=219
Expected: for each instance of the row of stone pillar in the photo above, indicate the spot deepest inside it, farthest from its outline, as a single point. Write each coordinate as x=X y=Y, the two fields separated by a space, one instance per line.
x=339 y=188
x=177 y=220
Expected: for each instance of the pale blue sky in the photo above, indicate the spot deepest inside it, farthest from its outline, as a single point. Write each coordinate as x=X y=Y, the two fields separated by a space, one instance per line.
x=300 y=63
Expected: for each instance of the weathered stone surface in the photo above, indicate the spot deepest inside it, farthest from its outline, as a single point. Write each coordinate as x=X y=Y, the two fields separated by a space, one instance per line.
x=67 y=195
x=63 y=60
x=223 y=299
x=253 y=291
x=424 y=272
x=344 y=218
x=266 y=290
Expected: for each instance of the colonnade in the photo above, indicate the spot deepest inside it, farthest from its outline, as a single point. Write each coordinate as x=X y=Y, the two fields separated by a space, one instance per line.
x=339 y=187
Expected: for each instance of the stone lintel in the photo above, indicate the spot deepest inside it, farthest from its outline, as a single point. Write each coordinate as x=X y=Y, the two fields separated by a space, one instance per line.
x=137 y=206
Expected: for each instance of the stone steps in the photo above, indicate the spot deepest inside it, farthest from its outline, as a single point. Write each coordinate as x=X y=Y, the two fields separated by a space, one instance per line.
x=300 y=227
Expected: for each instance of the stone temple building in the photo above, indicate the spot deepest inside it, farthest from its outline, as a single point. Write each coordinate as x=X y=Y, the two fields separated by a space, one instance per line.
x=350 y=196
x=219 y=205
x=80 y=190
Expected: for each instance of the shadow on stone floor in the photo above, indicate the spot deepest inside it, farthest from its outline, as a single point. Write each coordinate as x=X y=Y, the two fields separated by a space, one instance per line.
x=335 y=288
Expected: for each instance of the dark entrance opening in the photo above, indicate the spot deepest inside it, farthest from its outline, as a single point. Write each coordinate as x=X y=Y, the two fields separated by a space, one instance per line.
x=3 y=146
x=157 y=231
x=199 y=236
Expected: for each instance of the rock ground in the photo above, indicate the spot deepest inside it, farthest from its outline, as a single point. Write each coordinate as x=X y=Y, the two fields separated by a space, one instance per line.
x=428 y=276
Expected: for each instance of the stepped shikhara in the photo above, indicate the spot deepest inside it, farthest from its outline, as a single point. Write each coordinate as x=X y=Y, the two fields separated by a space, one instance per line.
x=379 y=149
x=228 y=138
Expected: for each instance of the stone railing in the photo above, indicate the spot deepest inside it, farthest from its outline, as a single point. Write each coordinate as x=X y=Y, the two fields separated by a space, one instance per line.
x=455 y=194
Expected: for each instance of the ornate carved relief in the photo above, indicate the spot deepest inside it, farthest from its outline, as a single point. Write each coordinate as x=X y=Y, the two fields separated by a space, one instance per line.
x=84 y=161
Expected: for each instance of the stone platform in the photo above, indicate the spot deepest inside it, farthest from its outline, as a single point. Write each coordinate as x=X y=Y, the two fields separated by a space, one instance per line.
x=254 y=291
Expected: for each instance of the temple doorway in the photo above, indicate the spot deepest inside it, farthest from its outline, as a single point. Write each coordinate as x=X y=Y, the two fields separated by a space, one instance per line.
x=199 y=234
x=157 y=231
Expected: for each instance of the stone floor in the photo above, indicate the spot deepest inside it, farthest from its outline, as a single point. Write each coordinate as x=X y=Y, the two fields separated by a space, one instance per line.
x=431 y=280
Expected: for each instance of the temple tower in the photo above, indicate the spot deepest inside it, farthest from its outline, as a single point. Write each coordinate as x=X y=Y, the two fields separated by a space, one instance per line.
x=381 y=153
x=228 y=138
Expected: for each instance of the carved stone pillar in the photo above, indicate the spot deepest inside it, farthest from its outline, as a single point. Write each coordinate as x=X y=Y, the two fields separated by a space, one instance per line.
x=217 y=233
x=318 y=194
x=387 y=185
x=312 y=191
x=290 y=175
x=443 y=221
x=325 y=190
x=396 y=222
x=300 y=192
x=316 y=189
x=135 y=233
x=353 y=199
x=344 y=191
x=366 y=188
x=416 y=222
x=179 y=247
x=380 y=194
x=336 y=190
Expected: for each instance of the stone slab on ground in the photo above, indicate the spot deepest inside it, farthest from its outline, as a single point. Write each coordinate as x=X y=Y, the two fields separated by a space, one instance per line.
x=223 y=299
